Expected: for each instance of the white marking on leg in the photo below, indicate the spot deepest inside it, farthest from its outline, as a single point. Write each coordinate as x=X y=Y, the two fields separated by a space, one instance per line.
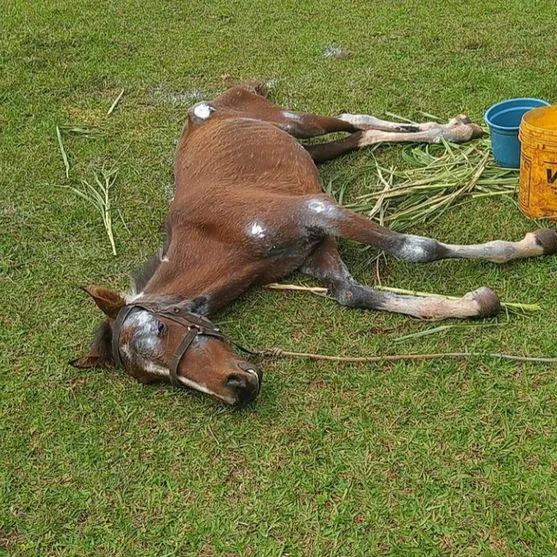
x=415 y=249
x=369 y=137
x=322 y=208
x=432 y=307
x=357 y=119
x=499 y=251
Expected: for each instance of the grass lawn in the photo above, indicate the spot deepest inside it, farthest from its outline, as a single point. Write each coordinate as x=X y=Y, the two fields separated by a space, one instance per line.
x=440 y=457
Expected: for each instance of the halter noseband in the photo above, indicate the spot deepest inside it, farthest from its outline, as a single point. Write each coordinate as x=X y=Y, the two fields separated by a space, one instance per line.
x=196 y=325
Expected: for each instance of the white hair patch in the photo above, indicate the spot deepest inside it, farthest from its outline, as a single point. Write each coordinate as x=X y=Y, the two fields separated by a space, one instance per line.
x=257 y=230
x=321 y=207
x=202 y=111
x=132 y=297
x=291 y=115
x=155 y=369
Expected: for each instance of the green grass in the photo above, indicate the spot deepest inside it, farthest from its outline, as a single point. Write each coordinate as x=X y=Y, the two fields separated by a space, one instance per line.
x=422 y=458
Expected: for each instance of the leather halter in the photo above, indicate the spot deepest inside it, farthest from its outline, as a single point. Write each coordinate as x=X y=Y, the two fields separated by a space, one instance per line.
x=195 y=325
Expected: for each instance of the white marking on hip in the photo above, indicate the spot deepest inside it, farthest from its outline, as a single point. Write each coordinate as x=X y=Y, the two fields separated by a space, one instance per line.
x=202 y=111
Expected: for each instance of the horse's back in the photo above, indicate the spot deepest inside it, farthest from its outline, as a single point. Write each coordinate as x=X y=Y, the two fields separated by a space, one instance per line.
x=231 y=155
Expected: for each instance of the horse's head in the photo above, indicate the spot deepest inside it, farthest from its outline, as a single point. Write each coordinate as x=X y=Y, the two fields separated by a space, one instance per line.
x=156 y=339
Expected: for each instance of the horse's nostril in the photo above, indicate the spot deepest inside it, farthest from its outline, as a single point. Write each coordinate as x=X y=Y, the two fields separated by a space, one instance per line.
x=252 y=370
x=244 y=384
x=236 y=381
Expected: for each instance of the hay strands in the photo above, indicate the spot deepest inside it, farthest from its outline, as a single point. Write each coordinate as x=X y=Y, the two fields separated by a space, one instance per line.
x=439 y=176
x=98 y=195
x=63 y=151
x=115 y=103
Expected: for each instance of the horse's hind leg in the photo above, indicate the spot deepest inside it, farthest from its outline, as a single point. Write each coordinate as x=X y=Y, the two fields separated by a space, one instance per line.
x=248 y=102
x=322 y=213
x=373 y=131
x=455 y=130
x=326 y=266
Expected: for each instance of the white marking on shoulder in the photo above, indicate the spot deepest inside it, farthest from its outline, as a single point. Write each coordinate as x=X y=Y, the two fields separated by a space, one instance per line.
x=257 y=230
x=202 y=111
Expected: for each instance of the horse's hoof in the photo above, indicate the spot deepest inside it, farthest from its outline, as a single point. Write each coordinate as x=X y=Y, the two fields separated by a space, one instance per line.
x=487 y=300
x=547 y=240
x=462 y=119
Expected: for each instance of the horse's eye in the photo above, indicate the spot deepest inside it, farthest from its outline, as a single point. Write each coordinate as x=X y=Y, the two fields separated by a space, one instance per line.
x=161 y=328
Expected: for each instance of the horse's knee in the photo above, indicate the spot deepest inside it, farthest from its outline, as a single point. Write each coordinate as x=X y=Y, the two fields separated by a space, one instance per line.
x=418 y=249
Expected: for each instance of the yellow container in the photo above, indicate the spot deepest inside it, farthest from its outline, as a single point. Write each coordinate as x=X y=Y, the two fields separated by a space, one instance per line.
x=538 y=163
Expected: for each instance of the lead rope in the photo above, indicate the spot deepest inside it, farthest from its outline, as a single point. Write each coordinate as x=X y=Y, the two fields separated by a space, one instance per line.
x=280 y=353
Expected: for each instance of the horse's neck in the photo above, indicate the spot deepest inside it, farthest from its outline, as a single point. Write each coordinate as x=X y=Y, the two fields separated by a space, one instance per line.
x=191 y=270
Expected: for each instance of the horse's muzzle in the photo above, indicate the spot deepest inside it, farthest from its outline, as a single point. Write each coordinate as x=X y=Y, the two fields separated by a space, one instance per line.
x=245 y=384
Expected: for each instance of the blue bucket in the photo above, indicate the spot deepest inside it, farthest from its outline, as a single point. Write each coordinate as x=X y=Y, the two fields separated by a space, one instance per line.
x=504 y=120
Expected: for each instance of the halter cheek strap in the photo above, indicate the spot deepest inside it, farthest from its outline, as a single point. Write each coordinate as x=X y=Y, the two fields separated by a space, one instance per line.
x=185 y=343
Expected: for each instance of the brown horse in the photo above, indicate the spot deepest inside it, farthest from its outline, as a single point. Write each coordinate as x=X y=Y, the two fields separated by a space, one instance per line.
x=248 y=210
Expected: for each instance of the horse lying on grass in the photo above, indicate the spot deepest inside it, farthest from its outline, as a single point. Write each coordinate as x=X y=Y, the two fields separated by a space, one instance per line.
x=248 y=210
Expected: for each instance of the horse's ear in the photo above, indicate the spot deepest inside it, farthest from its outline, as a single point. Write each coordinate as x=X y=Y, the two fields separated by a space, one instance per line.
x=110 y=303
x=101 y=350
x=90 y=360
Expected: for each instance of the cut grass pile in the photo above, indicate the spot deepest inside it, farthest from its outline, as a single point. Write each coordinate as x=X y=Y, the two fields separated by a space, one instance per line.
x=434 y=179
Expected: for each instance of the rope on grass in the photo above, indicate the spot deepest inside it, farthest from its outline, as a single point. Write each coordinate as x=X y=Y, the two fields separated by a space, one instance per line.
x=320 y=291
x=280 y=353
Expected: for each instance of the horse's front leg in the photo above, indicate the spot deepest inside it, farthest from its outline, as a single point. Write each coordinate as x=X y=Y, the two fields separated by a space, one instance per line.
x=326 y=266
